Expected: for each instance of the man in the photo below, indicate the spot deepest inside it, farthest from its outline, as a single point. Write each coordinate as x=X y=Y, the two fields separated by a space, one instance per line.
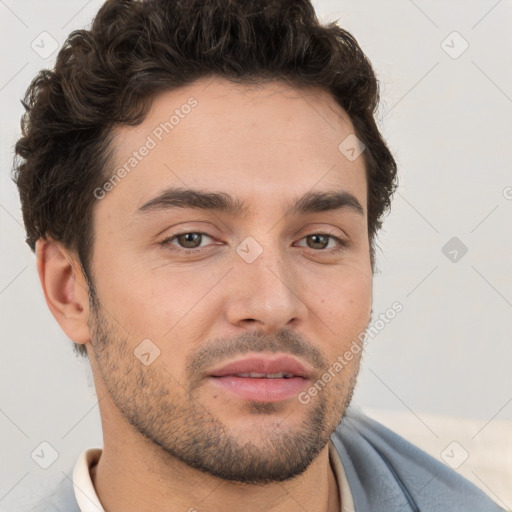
x=202 y=183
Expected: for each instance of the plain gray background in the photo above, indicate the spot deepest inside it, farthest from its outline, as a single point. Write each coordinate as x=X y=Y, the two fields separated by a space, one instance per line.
x=447 y=119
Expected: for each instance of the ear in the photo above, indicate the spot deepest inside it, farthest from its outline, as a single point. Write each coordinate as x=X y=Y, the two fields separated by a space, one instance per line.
x=65 y=288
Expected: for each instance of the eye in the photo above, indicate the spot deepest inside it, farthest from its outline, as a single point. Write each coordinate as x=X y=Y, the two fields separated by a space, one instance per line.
x=186 y=241
x=320 y=242
x=190 y=241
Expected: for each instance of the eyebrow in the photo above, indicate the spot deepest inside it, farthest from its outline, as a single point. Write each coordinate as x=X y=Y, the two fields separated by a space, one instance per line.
x=310 y=202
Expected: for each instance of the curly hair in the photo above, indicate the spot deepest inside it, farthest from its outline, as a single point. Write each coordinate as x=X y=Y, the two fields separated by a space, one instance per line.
x=108 y=76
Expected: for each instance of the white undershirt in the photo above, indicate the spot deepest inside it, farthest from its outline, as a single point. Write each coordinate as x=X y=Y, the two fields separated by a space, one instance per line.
x=88 y=500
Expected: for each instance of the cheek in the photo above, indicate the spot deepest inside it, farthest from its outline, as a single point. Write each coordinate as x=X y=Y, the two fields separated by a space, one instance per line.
x=168 y=307
x=349 y=312
x=140 y=293
x=346 y=311
x=345 y=300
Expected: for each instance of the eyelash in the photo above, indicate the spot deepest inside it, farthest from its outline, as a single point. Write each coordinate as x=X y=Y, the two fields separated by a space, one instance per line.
x=167 y=243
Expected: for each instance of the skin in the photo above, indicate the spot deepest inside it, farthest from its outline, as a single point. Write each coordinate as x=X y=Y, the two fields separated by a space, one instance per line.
x=172 y=441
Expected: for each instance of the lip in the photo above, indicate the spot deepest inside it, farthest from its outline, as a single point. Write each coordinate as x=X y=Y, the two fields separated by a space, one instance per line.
x=262 y=389
x=264 y=364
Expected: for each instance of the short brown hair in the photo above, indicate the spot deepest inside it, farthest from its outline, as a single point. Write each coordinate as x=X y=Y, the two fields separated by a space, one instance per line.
x=109 y=74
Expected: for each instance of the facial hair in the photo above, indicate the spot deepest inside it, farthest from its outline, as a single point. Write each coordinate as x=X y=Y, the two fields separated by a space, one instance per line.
x=170 y=414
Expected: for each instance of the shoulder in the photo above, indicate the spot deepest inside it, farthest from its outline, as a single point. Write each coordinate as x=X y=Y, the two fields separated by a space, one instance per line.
x=61 y=498
x=386 y=472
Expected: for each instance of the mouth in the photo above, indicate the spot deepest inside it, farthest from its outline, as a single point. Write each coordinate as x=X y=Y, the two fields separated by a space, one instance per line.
x=256 y=375
x=262 y=379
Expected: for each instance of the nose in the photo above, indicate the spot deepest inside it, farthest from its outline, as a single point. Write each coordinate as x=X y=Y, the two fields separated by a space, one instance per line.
x=266 y=293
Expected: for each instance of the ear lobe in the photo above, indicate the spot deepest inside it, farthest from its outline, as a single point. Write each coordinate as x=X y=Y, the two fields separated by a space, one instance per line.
x=65 y=289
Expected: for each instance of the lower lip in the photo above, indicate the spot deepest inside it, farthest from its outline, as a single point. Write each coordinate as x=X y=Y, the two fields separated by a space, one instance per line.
x=261 y=390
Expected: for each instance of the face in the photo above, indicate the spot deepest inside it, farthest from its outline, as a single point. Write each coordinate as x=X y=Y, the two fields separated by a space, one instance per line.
x=183 y=290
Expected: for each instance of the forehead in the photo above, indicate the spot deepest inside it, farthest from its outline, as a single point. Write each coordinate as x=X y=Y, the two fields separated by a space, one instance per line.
x=259 y=140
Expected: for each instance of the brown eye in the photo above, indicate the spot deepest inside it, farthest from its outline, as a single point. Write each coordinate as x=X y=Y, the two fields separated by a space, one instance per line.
x=320 y=242
x=187 y=241
x=190 y=240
